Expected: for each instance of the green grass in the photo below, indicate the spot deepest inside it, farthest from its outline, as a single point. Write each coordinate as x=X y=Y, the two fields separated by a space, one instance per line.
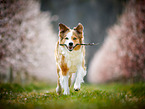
x=41 y=96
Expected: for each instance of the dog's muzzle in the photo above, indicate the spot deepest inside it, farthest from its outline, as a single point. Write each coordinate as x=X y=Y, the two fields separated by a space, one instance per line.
x=70 y=46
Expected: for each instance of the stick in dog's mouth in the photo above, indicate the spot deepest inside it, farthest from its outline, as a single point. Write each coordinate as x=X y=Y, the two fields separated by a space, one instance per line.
x=70 y=48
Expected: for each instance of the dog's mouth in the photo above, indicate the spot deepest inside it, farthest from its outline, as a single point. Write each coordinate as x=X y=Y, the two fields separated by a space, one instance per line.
x=70 y=48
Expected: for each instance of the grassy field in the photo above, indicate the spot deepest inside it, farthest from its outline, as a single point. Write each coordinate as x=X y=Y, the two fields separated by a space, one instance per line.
x=42 y=96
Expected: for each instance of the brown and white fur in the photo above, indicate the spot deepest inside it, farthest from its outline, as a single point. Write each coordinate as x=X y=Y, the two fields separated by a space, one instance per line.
x=70 y=60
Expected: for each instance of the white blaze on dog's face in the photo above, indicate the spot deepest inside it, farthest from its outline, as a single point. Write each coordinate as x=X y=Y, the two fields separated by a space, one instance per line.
x=71 y=37
x=68 y=40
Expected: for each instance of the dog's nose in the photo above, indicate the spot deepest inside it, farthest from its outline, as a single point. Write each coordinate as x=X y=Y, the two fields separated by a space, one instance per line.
x=70 y=44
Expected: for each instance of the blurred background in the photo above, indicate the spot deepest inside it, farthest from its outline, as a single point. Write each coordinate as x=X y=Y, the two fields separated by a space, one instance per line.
x=29 y=31
x=95 y=15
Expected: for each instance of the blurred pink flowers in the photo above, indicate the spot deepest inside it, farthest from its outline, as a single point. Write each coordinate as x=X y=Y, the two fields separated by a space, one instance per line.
x=122 y=56
x=27 y=41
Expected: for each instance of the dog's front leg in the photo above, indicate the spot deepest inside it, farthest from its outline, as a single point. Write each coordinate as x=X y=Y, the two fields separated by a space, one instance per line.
x=58 y=88
x=65 y=84
x=79 y=78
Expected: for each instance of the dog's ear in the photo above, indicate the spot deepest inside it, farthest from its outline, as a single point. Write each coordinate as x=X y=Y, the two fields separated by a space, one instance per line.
x=63 y=28
x=79 y=28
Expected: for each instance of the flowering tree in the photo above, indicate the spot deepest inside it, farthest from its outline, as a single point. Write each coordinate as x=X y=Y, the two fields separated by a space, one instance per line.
x=27 y=41
x=122 y=55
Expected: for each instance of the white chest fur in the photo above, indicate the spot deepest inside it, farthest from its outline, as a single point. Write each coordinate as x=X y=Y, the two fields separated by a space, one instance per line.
x=73 y=59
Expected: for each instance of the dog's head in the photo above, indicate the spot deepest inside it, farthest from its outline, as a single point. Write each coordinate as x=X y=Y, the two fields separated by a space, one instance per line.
x=71 y=37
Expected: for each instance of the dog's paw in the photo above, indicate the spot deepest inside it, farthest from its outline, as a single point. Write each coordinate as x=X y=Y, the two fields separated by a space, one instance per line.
x=66 y=93
x=76 y=89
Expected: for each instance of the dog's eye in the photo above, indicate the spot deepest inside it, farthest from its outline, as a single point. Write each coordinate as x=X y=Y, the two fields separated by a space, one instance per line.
x=74 y=38
x=66 y=38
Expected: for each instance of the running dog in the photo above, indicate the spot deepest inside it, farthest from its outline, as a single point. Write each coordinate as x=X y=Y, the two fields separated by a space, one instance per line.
x=70 y=58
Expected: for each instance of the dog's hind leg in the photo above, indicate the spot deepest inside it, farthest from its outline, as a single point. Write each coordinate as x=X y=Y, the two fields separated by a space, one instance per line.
x=58 y=88
x=69 y=81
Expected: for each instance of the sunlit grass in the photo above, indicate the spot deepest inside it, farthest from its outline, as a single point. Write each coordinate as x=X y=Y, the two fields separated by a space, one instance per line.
x=90 y=96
